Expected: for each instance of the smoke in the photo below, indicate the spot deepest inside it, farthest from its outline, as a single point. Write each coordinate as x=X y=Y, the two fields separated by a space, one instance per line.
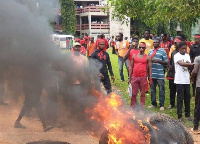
x=26 y=45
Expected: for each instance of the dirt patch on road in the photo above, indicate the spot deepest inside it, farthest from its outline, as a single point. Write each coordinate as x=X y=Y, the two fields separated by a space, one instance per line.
x=72 y=134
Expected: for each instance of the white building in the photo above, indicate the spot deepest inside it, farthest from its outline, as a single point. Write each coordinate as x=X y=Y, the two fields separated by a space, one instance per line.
x=91 y=19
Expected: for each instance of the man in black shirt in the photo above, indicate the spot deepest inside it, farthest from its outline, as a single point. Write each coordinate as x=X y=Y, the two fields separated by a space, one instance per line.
x=171 y=74
x=104 y=59
x=194 y=52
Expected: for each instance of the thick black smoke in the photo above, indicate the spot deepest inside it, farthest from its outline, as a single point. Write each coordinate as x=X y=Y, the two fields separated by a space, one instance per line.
x=25 y=44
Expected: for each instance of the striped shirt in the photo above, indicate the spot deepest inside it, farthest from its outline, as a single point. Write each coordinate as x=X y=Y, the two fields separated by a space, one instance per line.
x=157 y=68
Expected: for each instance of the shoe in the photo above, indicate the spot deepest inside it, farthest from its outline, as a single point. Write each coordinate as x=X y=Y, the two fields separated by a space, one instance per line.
x=195 y=131
x=162 y=108
x=146 y=91
x=19 y=125
x=180 y=120
x=47 y=128
x=3 y=103
x=152 y=106
x=188 y=119
x=122 y=80
x=170 y=107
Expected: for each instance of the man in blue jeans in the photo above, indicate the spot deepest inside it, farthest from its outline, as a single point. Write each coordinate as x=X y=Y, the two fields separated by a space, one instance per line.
x=121 y=50
x=159 y=59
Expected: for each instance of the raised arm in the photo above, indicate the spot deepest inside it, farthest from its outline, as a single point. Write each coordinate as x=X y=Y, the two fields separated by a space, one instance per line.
x=127 y=55
x=149 y=67
x=109 y=66
x=195 y=71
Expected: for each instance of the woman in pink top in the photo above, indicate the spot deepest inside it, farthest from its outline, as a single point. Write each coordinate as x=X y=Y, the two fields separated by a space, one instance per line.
x=138 y=75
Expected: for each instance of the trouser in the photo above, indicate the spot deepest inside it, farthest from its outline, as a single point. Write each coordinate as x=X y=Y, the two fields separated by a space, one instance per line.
x=197 y=109
x=172 y=87
x=183 y=94
x=32 y=99
x=121 y=63
x=138 y=83
x=106 y=83
x=52 y=104
x=147 y=86
x=161 y=85
x=113 y=50
x=194 y=86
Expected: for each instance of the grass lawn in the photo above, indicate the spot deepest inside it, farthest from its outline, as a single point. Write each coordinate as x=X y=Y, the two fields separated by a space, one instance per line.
x=123 y=86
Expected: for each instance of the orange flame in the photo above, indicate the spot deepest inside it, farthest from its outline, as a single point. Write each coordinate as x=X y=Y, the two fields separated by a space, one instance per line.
x=121 y=124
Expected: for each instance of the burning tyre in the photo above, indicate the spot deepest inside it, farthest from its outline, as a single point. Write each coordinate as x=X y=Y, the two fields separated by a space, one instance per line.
x=162 y=128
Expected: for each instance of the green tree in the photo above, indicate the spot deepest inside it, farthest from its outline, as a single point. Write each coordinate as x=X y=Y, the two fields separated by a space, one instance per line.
x=159 y=13
x=68 y=12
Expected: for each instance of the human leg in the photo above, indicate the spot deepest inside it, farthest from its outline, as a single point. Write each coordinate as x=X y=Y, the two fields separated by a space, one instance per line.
x=187 y=97
x=153 y=93
x=172 y=86
x=107 y=84
x=180 y=97
x=142 y=82
x=127 y=66
x=135 y=87
x=197 y=109
x=161 y=85
x=120 y=62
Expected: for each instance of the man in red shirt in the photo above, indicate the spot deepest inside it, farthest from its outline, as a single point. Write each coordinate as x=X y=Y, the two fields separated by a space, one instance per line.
x=87 y=39
x=102 y=36
x=82 y=49
x=138 y=75
x=133 y=50
x=165 y=44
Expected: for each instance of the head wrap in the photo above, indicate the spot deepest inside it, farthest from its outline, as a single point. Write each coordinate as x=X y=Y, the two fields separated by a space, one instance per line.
x=142 y=45
x=177 y=40
x=197 y=36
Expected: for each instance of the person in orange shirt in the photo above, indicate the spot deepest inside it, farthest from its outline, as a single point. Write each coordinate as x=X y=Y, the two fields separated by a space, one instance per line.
x=91 y=47
x=121 y=49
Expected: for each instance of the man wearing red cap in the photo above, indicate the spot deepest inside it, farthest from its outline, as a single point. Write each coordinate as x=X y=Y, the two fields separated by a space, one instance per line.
x=103 y=57
x=138 y=74
x=102 y=37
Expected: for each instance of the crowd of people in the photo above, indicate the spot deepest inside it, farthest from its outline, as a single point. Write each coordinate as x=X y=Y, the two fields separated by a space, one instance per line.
x=151 y=63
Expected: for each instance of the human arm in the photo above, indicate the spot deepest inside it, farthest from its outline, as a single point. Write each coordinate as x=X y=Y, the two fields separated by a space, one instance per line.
x=150 y=70
x=164 y=60
x=159 y=61
x=110 y=68
x=185 y=64
x=195 y=71
x=88 y=50
x=127 y=55
x=131 y=68
x=196 y=68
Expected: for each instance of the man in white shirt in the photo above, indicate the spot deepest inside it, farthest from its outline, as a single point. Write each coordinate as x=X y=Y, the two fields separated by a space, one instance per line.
x=182 y=80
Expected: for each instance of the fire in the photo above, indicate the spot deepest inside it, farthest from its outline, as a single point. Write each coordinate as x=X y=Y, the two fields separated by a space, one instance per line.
x=122 y=126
